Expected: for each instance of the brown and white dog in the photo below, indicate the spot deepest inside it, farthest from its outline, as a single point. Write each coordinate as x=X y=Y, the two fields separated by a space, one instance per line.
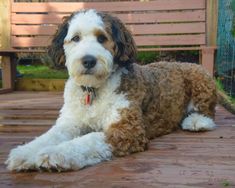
x=112 y=106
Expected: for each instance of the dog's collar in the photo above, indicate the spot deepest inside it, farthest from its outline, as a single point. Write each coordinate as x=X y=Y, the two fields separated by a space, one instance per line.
x=89 y=94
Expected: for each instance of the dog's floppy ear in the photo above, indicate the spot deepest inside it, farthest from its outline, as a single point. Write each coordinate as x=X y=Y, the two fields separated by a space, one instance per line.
x=124 y=44
x=125 y=50
x=56 y=50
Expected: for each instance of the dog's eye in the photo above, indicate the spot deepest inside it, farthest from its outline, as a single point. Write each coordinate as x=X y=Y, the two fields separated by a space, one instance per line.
x=101 y=39
x=76 y=38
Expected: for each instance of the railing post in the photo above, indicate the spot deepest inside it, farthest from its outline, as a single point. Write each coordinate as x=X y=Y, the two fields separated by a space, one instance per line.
x=207 y=54
x=208 y=59
x=7 y=64
x=5 y=23
x=211 y=21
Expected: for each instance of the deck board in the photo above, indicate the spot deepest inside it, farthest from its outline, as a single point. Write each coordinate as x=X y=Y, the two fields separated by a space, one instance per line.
x=179 y=160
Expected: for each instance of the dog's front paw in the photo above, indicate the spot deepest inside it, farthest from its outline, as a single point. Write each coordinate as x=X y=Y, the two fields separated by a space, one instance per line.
x=51 y=158
x=20 y=158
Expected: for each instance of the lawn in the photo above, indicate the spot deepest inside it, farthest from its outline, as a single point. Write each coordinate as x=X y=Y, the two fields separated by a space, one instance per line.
x=41 y=71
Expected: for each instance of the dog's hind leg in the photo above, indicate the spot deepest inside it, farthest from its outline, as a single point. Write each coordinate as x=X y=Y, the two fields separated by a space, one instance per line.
x=201 y=108
x=198 y=122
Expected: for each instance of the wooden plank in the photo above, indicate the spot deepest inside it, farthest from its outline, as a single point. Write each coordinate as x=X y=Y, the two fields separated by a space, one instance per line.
x=162 y=17
x=147 y=17
x=31 y=41
x=140 y=40
x=33 y=30
x=52 y=18
x=4 y=91
x=24 y=128
x=175 y=48
x=28 y=114
x=9 y=51
x=181 y=28
x=170 y=40
x=169 y=49
x=110 y=6
x=27 y=122
x=212 y=19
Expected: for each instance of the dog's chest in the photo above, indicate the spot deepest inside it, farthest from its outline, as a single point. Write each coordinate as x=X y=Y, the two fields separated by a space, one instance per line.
x=104 y=109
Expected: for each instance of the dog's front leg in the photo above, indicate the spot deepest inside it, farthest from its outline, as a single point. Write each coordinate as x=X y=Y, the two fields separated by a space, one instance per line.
x=121 y=138
x=75 y=154
x=128 y=135
x=23 y=157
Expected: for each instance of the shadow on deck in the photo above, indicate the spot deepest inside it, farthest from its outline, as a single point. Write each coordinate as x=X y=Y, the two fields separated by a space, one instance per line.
x=179 y=160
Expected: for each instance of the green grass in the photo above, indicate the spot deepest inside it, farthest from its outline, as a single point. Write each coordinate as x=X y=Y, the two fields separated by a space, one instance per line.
x=226 y=183
x=41 y=71
x=219 y=85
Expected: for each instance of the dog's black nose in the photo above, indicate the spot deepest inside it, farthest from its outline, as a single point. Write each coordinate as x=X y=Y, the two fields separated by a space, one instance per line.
x=88 y=61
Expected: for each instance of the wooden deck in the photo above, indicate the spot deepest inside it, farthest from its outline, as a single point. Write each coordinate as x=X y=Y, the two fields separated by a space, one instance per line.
x=178 y=160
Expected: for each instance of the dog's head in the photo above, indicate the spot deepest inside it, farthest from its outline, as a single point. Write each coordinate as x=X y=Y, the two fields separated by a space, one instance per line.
x=92 y=45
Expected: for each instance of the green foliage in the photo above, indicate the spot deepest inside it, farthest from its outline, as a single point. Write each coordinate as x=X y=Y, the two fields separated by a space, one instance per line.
x=41 y=71
x=226 y=183
x=147 y=57
x=219 y=85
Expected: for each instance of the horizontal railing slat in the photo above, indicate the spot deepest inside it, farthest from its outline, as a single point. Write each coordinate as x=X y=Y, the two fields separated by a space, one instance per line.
x=170 y=40
x=143 y=29
x=110 y=6
x=140 y=40
x=33 y=30
x=167 y=28
x=158 y=17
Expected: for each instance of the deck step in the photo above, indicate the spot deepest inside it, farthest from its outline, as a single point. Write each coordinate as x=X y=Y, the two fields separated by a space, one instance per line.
x=25 y=122
x=28 y=114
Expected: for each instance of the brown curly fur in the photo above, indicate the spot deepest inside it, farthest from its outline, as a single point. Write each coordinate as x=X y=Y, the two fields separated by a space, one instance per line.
x=159 y=95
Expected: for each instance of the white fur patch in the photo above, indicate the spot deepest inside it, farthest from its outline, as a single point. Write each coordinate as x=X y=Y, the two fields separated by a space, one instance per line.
x=75 y=154
x=198 y=122
x=104 y=110
x=191 y=107
x=84 y=23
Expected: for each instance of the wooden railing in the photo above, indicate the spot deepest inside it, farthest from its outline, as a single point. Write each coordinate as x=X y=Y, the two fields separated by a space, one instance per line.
x=156 y=25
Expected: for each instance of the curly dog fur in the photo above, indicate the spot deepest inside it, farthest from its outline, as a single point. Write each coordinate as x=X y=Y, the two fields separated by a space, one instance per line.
x=112 y=106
